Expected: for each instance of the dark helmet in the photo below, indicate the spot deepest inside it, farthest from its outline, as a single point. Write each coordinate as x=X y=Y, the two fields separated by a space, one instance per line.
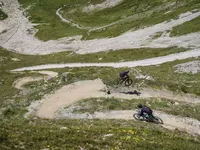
x=140 y=106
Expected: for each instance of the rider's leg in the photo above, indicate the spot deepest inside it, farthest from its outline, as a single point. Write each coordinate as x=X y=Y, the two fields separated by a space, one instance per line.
x=150 y=116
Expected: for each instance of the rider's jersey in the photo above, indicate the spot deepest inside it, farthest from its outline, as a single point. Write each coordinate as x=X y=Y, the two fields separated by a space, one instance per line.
x=123 y=74
x=147 y=110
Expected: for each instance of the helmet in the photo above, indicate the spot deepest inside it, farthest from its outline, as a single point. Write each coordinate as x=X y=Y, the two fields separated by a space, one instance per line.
x=140 y=106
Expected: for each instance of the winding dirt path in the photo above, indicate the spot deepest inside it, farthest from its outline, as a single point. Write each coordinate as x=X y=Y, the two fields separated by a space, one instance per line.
x=67 y=95
x=21 y=82
x=189 y=125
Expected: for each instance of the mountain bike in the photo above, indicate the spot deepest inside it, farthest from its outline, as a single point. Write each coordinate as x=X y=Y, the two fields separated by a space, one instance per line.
x=147 y=118
x=118 y=81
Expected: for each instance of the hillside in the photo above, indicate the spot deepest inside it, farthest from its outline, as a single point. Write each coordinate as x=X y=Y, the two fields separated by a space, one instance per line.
x=59 y=59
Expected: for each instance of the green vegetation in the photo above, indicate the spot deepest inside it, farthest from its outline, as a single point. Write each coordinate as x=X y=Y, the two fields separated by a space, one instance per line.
x=128 y=15
x=187 y=27
x=16 y=132
x=32 y=133
x=3 y=15
x=146 y=19
x=107 y=104
x=70 y=57
x=165 y=76
x=73 y=134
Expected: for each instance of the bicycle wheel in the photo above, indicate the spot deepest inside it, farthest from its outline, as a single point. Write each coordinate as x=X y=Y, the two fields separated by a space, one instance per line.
x=157 y=120
x=128 y=82
x=136 y=116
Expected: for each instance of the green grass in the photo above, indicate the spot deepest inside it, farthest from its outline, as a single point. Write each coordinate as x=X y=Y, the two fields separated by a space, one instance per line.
x=41 y=134
x=187 y=27
x=130 y=15
x=3 y=15
x=70 y=57
x=108 y=104
x=19 y=133
x=147 y=20
x=165 y=76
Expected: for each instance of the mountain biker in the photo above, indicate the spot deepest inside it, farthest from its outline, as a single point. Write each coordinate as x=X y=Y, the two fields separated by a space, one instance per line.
x=124 y=75
x=145 y=111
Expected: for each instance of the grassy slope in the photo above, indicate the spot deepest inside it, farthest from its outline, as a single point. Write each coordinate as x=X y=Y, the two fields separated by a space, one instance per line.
x=165 y=76
x=44 y=12
x=19 y=133
x=69 y=57
x=187 y=27
x=154 y=18
x=127 y=135
x=3 y=15
x=97 y=105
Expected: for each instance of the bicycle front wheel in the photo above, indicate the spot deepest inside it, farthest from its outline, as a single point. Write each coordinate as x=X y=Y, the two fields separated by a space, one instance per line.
x=128 y=82
x=157 y=120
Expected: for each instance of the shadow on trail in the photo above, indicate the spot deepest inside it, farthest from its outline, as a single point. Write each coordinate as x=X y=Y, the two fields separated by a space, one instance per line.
x=131 y=93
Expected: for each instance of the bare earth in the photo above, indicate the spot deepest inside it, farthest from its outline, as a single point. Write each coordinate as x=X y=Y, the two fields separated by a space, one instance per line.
x=20 y=82
x=144 y=62
x=67 y=95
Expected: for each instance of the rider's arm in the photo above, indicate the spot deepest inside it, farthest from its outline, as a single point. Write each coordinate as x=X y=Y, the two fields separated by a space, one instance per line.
x=126 y=74
x=141 y=112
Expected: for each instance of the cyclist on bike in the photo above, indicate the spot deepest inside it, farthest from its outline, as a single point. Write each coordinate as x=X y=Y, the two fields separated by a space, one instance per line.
x=145 y=111
x=124 y=75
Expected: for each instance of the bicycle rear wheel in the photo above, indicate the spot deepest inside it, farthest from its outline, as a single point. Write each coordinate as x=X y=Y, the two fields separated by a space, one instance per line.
x=128 y=82
x=136 y=116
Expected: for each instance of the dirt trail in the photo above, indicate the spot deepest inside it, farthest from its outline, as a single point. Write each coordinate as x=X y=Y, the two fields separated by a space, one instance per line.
x=145 y=62
x=67 y=95
x=192 y=126
x=19 y=34
x=20 y=82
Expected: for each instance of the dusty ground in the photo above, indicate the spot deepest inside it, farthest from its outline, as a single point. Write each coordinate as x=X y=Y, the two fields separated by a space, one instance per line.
x=51 y=105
